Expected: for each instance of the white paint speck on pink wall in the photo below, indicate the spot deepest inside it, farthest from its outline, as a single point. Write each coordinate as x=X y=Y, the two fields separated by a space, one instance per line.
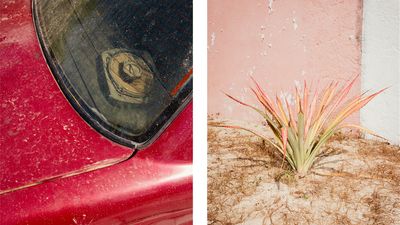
x=279 y=42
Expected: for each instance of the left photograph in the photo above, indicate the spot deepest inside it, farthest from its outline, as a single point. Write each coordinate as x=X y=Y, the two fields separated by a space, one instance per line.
x=96 y=112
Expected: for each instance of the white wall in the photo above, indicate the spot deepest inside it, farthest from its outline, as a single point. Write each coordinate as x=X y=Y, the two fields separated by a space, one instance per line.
x=381 y=67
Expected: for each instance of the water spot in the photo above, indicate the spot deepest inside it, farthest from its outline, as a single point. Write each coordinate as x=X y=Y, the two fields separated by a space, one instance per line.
x=37 y=55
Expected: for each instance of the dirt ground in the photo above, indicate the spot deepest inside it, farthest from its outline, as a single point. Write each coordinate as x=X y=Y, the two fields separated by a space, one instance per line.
x=356 y=182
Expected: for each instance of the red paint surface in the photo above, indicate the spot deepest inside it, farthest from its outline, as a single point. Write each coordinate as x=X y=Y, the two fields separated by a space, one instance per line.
x=155 y=185
x=292 y=41
x=42 y=136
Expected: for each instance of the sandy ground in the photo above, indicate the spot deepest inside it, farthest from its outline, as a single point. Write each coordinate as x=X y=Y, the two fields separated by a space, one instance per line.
x=356 y=182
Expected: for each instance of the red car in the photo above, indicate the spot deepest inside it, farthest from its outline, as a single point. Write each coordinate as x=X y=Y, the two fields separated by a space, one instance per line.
x=96 y=112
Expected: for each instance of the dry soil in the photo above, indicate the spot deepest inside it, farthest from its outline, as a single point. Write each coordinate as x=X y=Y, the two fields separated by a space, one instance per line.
x=356 y=181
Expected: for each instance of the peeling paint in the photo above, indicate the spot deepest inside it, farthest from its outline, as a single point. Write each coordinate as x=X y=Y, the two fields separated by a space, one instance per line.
x=251 y=71
x=213 y=37
x=297 y=84
x=288 y=50
x=230 y=109
x=286 y=96
x=295 y=25
x=270 y=2
x=263 y=53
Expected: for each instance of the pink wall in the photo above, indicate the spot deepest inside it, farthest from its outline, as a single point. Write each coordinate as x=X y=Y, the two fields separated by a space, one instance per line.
x=279 y=42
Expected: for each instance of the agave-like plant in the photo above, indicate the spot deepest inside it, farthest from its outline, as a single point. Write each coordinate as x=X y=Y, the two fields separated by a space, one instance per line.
x=301 y=129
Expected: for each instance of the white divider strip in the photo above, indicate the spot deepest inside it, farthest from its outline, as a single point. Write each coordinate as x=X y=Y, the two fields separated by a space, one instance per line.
x=381 y=67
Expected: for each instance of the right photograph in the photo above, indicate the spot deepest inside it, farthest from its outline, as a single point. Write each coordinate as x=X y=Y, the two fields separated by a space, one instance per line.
x=303 y=112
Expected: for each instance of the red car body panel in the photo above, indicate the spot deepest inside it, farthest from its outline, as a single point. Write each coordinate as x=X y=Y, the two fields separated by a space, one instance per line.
x=56 y=169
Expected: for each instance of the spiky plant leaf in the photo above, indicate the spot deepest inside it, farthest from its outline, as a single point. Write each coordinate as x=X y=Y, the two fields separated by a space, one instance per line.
x=300 y=131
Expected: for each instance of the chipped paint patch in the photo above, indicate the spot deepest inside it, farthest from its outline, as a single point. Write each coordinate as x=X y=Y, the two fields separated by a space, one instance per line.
x=262 y=36
x=270 y=2
x=295 y=25
x=213 y=37
x=82 y=220
x=297 y=84
x=286 y=96
x=251 y=71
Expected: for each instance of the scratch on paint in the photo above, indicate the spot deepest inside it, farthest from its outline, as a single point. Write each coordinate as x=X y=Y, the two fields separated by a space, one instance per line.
x=85 y=169
x=82 y=221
